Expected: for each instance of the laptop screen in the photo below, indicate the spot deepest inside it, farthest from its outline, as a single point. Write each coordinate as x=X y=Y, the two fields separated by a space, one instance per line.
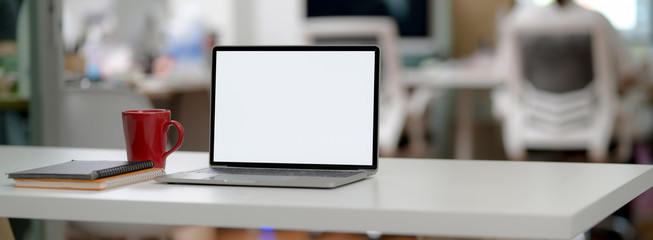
x=295 y=105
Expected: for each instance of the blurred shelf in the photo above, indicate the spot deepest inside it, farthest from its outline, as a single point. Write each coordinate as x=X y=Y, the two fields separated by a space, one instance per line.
x=14 y=104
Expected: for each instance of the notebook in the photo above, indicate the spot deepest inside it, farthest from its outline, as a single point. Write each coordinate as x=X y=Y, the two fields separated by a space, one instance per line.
x=82 y=170
x=291 y=116
x=98 y=184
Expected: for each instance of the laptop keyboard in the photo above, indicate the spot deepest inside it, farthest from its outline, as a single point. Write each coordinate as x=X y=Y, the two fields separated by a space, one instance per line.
x=280 y=172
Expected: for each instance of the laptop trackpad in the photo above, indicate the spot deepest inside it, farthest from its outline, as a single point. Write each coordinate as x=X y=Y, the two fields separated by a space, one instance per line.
x=251 y=178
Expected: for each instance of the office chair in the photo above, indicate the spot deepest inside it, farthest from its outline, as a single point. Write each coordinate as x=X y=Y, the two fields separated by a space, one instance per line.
x=562 y=94
x=396 y=104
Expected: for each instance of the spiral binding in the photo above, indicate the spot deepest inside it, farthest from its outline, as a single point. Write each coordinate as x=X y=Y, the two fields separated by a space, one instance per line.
x=133 y=166
x=135 y=178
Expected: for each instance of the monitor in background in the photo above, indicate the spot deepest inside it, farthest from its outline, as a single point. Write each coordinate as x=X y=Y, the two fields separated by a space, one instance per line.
x=411 y=16
x=424 y=25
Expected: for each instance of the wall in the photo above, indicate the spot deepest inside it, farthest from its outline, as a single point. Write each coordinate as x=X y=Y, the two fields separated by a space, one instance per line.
x=278 y=22
x=264 y=22
x=474 y=23
x=217 y=16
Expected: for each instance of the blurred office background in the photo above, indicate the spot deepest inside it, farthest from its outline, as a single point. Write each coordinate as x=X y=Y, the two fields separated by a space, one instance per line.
x=64 y=60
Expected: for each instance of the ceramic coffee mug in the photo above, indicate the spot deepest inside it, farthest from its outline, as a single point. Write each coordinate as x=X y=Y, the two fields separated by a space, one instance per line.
x=146 y=135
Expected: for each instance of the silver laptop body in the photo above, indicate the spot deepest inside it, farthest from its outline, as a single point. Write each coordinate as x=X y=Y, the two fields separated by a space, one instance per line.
x=291 y=116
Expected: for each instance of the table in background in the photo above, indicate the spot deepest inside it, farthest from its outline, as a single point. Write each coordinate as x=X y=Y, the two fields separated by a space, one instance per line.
x=189 y=99
x=459 y=198
x=464 y=75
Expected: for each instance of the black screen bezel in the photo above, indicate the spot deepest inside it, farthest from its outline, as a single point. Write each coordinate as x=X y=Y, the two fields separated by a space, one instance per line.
x=375 y=151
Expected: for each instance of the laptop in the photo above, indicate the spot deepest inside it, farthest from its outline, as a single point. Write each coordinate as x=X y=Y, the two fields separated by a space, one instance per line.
x=291 y=116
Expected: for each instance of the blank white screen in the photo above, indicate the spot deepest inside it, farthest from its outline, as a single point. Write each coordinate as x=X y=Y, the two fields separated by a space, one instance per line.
x=298 y=107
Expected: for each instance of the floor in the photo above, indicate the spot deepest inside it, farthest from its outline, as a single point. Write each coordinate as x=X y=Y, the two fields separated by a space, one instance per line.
x=249 y=234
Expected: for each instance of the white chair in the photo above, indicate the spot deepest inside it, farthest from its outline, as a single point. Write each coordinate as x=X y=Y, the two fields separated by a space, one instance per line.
x=561 y=94
x=394 y=101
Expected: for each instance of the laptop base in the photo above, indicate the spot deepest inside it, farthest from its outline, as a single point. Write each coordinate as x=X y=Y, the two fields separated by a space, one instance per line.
x=209 y=176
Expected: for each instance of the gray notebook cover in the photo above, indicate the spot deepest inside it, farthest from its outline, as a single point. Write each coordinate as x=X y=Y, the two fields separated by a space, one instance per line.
x=82 y=170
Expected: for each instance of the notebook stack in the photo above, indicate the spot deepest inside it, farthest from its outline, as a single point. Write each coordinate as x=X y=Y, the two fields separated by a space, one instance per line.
x=87 y=175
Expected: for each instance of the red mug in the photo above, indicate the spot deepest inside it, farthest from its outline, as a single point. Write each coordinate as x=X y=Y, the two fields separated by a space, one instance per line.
x=146 y=135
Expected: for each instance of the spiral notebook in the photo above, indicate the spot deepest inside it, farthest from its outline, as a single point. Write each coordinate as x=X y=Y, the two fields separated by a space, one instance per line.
x=82 y=170
x=99 y=184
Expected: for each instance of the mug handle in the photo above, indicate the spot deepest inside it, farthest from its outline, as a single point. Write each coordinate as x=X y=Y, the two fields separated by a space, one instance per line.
x=180 y=129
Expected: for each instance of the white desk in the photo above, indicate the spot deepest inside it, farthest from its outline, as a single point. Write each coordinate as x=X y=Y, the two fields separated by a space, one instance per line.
x=462 y=198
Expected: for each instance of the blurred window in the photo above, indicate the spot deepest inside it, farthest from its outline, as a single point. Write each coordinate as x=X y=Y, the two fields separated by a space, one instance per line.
x=631 y=17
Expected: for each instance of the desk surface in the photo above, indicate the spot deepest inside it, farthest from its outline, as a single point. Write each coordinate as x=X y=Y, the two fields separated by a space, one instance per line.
x=461 y=198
